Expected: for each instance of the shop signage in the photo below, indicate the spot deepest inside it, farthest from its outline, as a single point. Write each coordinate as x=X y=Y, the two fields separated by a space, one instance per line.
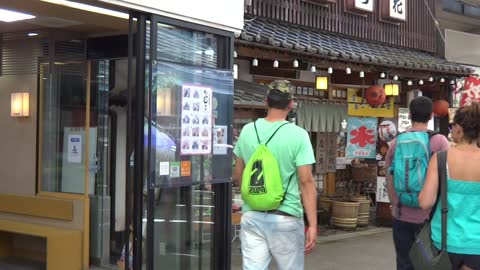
x=404 y=122
x=361 y=6
x=382 y=195
x=197 y=120
x=467 y=90
x=358 y=107
x=394 y=10
x=362 y=137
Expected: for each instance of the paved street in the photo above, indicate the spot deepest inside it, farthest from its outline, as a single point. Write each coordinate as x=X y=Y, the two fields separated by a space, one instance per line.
x=372 y=252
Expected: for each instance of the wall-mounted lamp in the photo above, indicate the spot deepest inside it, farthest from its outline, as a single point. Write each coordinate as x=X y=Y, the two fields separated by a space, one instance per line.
x=348 y=70
x=234 y=54
x=391 y=89
x=235 y=71
x=362 y=74
x=20 y=105
x=313 y=69
x=395 y=78
x=330 y=70
x=295 y=63
x=420 y=82
x=255 y=62
x=430 y=79
x=409 y=83
x=382 y=75
x=275 y=64
x=442 y=80
x=452 y=82
x=321 y=83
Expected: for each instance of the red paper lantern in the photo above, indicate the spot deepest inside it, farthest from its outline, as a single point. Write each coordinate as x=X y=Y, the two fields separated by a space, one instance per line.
x=440 y=108
x=375 y=95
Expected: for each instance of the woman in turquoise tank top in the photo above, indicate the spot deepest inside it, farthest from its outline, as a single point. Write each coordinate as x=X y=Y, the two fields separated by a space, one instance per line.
x=463 y=192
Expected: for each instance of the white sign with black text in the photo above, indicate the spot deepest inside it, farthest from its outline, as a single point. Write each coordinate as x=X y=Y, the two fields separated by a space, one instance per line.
x=366 y=5
x=398 y=9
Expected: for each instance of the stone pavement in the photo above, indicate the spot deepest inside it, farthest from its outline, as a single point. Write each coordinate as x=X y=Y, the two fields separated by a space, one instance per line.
x=366 y=250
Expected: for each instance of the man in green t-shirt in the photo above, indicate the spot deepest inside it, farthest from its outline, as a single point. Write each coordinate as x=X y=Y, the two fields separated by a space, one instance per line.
x=279 y=233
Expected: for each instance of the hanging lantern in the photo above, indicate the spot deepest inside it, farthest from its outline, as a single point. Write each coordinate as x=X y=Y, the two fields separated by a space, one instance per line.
x=375 y=95
x=440 y=108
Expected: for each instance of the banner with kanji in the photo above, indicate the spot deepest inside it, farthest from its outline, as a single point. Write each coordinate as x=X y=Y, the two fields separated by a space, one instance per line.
x=467 y=90
x=358 y=107
x=361 y=137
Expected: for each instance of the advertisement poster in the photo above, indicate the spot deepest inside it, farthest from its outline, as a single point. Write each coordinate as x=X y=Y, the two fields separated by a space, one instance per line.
x=197 y=118
x=362 y=137
x=382 y=195
x=357 y=106
x=220 y=140
x=74 y=148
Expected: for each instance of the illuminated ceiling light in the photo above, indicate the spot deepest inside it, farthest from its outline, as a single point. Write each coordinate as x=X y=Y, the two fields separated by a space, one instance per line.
x=275 y=64
x=348 y=70
x=330 y=70
x=32 y=34
x=409 y=83
x=295 y=63
x=13 y=16
x=234 y=54
x=420 y=82
x=89 y=8
x=442 y=80
x=382 y=75
x=362 y=74
x=452 y=82
x=395 y=78
x=313 y=69
x=430 y=79
x=255 y=62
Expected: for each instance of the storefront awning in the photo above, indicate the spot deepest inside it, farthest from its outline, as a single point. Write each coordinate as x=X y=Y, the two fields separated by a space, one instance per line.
x=340 y=48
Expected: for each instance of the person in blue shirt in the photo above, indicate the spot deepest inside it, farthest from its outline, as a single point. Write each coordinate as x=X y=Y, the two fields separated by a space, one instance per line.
x=463 y=191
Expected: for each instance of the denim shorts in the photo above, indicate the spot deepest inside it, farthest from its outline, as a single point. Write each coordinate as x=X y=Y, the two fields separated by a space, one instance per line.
x=265 y=235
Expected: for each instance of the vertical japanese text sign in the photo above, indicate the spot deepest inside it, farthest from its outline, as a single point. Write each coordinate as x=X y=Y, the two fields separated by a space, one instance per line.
x=398 y=9
x=364 y=5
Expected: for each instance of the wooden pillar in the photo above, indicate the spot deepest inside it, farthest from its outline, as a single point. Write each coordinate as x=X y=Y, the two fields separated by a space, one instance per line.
x=330 y=184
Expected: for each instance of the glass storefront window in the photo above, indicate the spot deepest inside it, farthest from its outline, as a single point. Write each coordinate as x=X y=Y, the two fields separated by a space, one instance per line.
x=62 y=127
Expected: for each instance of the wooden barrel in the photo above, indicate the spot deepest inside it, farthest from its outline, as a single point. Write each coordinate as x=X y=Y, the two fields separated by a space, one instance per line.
x=363 y=210
x=345 y=214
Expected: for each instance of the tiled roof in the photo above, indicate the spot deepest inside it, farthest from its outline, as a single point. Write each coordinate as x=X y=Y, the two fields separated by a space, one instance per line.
x=249 y=94
x=299 y=38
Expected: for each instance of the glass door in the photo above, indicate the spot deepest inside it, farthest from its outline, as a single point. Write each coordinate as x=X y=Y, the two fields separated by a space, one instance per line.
x=187 y=157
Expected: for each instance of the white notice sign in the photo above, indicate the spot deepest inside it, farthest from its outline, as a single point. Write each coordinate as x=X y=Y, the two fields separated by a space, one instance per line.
x=74 y=148
x=382 y=195
x=164 y=168
x=398 y=9
x=366 y=5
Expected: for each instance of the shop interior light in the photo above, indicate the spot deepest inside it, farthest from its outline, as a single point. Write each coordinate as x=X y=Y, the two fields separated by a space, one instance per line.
x=275 y=64
x=321 y=83
x=13 y=16
x=313 y=69
x=348 y=70
x=235 y=71
x=89 y=8
x=255 y=62
x=391 y=89
x=20 y=104
x=420 y=82
x=409 y=83
x=430 y=79
x=395 y=78
x=362 y=74
x=442 y=80
x=382 y=75
x=295 y=63
x=330 y=70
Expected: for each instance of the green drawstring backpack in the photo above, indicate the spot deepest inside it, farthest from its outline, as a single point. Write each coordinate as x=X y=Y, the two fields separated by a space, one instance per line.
x=262 y=185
